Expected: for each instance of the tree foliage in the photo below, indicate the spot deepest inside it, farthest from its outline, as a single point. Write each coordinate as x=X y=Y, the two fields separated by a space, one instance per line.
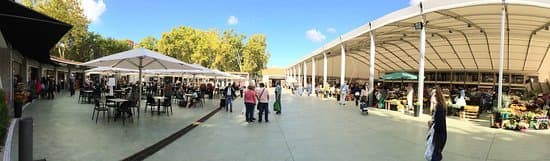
x=229 y=51
x=148 y=42
x=78 y=44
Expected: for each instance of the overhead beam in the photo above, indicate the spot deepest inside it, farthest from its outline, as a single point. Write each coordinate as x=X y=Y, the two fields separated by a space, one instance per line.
x=402 y=50
x=398 y=57
x=453 y=48
x=359 y=51
x=417 y=49
x=378 y=52
x=459 y=31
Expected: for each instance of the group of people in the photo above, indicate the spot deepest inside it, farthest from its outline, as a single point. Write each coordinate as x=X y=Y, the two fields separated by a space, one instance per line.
x=253 y=97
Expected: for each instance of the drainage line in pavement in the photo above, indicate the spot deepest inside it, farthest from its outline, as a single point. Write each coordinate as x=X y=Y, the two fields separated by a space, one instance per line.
x=143 y=154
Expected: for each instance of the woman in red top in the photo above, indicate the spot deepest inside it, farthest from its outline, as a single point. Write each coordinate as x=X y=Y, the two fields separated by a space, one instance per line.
x=249 y=102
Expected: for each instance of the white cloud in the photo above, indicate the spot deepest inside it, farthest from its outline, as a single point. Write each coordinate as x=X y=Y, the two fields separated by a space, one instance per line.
x=93 y=9
x=315 y=35
x=414 y=2
x=331 y=30
x=232 y=20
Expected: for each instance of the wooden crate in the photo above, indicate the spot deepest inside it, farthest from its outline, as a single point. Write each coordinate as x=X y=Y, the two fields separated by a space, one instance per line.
x=470 y=112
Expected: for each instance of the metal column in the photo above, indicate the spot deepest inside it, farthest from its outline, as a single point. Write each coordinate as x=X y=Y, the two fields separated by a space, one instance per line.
x=501 y=59
x=305 y=75
x=313 y=74
x=342 y=62
x=299 y=78
x=371 y=67
x=325 y=63
x=421 y=62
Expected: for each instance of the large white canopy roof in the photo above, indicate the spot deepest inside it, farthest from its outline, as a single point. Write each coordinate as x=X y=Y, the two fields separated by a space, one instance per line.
x=461 y=35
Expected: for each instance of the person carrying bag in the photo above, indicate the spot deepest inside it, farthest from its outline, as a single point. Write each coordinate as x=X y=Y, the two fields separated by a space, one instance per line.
x=263 y=103
x=437 y=135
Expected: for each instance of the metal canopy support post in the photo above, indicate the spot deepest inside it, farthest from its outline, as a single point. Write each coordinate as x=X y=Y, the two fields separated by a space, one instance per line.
x=325 y=63
x=371 y=67
x=313 y=73
x=421 y=62
x=305 y=75
x=293 y=75
x=501 y=57
x=299 y=78
x=342 y=63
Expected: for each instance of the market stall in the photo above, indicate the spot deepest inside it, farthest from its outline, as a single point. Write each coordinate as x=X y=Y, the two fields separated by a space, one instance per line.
x=520 y=116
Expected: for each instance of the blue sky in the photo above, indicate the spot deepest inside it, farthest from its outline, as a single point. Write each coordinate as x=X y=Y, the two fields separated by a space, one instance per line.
x=293 y=28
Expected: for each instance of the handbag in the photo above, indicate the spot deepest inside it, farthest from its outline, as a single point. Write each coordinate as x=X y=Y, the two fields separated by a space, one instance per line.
x=258 y=97
x=277 y=106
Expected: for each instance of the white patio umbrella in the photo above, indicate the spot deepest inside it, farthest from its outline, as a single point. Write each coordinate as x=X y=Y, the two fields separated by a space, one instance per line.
x=110 y=70
x=139 y=59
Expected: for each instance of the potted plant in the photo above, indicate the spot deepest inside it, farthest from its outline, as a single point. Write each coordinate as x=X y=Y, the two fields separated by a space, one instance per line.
x=4 y=116
x=19 y=100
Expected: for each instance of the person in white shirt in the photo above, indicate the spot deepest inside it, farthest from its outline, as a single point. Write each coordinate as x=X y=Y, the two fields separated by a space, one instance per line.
x=262 y=94
x=410 y=93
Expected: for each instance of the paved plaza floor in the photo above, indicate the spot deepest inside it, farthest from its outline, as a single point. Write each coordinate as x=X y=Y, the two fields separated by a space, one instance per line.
x=309 y=129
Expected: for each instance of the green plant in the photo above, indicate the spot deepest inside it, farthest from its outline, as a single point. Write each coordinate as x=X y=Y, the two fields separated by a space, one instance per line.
x=4 y=116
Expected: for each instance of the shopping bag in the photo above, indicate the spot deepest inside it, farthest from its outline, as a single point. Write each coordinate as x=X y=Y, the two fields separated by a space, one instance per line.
x=277 y=106
x=429 y=144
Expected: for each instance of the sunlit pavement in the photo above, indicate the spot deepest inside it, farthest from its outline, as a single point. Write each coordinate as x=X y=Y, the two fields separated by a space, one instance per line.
x=309 y=129
x=312 y=129
x=64 y=130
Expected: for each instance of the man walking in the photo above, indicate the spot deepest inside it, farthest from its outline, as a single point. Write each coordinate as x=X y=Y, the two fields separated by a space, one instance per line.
x=263 y=99
x=229 y=94
x=277 y=106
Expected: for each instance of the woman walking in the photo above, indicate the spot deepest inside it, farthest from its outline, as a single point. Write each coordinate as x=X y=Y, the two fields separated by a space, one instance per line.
x=249 y=102
x=437 y=135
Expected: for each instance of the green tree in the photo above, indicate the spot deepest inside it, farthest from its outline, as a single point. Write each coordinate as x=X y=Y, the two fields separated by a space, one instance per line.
x=232 y=48
x=179 y=43
x=110 y=46
x=226 y=52
x=148 y=42
x=255 y=55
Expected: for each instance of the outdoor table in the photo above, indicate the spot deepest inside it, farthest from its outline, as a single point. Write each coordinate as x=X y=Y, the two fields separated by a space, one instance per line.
x=89 y=94
x=118 y=92
x=159 y=98
x=117 y=101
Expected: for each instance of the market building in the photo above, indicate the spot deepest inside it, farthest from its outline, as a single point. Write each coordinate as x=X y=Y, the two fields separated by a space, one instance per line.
x=26 y=38
x=465 y=44
x=273 y=75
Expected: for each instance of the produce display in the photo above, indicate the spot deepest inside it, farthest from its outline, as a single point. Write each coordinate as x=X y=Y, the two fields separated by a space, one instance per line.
x=518 y=117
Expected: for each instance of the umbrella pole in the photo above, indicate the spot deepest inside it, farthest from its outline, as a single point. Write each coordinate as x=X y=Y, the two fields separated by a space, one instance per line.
x=140 y=83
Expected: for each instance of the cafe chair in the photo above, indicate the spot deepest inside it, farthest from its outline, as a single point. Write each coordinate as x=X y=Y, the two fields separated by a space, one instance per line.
x=134 y=106
x=167 y=103
x=199 y=100
x=99 y=107
x=82 y=96
x=150 y=102
x=125 y=111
